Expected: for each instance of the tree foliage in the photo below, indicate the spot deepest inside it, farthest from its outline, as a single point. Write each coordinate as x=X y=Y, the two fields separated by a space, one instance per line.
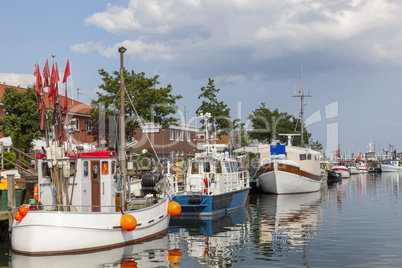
x=153 y=103
x=221 y=122
x=20 y=121
x=268 y=125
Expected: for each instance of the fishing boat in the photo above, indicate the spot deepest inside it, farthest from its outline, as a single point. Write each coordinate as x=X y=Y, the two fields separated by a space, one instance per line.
x=213 y=183
x=391 y=166
x=341 y=169
x=353 y=170
x=84 y=203
x=289 y=170
x=333 y=176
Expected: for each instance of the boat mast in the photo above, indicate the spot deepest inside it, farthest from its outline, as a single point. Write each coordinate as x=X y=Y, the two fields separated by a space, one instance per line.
x=206 y=116
x=302 y=96
x=122 y=129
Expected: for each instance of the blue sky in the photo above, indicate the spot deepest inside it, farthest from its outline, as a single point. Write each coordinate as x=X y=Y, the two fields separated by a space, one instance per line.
x=254 y=50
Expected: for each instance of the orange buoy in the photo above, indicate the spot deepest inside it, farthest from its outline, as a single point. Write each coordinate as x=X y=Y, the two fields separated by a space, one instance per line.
x=23 y=211
x=128 y=222
x=174 y=208
x=36 y=197
x=18 y=217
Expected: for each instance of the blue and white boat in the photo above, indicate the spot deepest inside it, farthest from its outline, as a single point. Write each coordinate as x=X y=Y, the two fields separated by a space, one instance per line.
x=212 y=183
x=391 y=166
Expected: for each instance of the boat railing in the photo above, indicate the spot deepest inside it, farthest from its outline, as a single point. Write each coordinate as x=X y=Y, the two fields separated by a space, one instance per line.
x=133 y=204
x=211 y=183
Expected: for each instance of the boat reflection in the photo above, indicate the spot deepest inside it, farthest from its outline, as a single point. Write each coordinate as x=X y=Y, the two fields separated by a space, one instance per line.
x=288 y=220
x=154 y=253
x=210 y=241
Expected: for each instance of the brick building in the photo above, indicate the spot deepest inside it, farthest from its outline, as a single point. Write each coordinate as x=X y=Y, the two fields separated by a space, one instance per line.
x=177 y=141
x=76 y=110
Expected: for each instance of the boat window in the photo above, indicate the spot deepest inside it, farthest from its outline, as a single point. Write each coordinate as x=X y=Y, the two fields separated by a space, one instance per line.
x=207 y=167
x=227 y=167
x=113 y=167
x=309 y=157
x=94 y=171
x=303 y=157
x=85 y=168
x=232 y=168
x=105 y=168
x=194 y=168
x=45 y=169
x=218 y=167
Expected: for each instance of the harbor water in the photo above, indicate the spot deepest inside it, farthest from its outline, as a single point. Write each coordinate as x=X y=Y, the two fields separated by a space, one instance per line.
x=353 y=223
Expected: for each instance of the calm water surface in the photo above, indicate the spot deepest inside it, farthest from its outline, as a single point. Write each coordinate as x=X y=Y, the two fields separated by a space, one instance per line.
x=355 y=223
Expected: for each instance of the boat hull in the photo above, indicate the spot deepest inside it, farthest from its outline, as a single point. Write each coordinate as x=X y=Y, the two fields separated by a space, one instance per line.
x=283 y=182
x=390 y=168
x=56 y=232
x=343 y=170
x=210 y=205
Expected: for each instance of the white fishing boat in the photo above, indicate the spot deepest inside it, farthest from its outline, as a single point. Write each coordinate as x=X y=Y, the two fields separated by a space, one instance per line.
x=84 y=204
x=391 y=166
x=290 y=170
x=341 y=169
x=353 y=170
x=213 y=183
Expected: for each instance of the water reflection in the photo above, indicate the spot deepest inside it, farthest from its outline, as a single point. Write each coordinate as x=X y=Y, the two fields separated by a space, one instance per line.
x=288 y=220
x=212 y=242
x=154 y=253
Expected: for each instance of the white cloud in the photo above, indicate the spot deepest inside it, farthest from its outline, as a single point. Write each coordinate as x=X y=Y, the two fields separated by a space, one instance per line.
x=194 y=33
x=12 y=79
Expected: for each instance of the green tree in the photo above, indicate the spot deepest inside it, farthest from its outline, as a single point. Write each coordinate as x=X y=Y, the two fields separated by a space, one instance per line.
x=221 y=122
x=20 y=121
x=268 y=125
x=242 y=137
x=153 y=103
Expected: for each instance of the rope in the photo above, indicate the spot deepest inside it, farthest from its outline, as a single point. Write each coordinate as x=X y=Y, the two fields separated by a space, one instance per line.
x=142 y=127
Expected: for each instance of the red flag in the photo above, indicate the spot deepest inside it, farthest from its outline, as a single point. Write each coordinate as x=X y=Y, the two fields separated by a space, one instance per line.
x=51 y=89
x=46 y=75
x=38 y=79
x=67 y=71
x=56 y=81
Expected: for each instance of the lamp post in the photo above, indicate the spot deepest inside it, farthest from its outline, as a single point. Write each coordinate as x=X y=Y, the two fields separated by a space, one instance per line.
x=122 y=130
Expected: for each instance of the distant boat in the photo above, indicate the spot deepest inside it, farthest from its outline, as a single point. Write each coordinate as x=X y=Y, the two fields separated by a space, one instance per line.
x=333 y=176
x=391 y=166
x=353 y=170
x=343 y=170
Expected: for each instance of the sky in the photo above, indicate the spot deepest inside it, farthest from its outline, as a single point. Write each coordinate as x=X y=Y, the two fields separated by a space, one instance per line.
x=346 y=55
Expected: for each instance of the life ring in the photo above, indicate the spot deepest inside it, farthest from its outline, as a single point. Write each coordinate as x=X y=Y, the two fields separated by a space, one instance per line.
x=36 y=197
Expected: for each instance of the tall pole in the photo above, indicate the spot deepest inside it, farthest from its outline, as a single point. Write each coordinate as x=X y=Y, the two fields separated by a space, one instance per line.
x=122 y=129
x=302 y=96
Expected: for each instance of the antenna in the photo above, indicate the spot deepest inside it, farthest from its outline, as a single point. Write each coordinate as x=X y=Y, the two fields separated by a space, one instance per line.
x=78 y=94
x=302 y=96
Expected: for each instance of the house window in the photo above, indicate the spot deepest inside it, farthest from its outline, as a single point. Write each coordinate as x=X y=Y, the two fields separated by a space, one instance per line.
x=177 y=152
x=171 y=134
x=181 y=152
x=177 y=135
x=181 y=135
x=188 y=135
x=76 y=123
x=88 y=125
